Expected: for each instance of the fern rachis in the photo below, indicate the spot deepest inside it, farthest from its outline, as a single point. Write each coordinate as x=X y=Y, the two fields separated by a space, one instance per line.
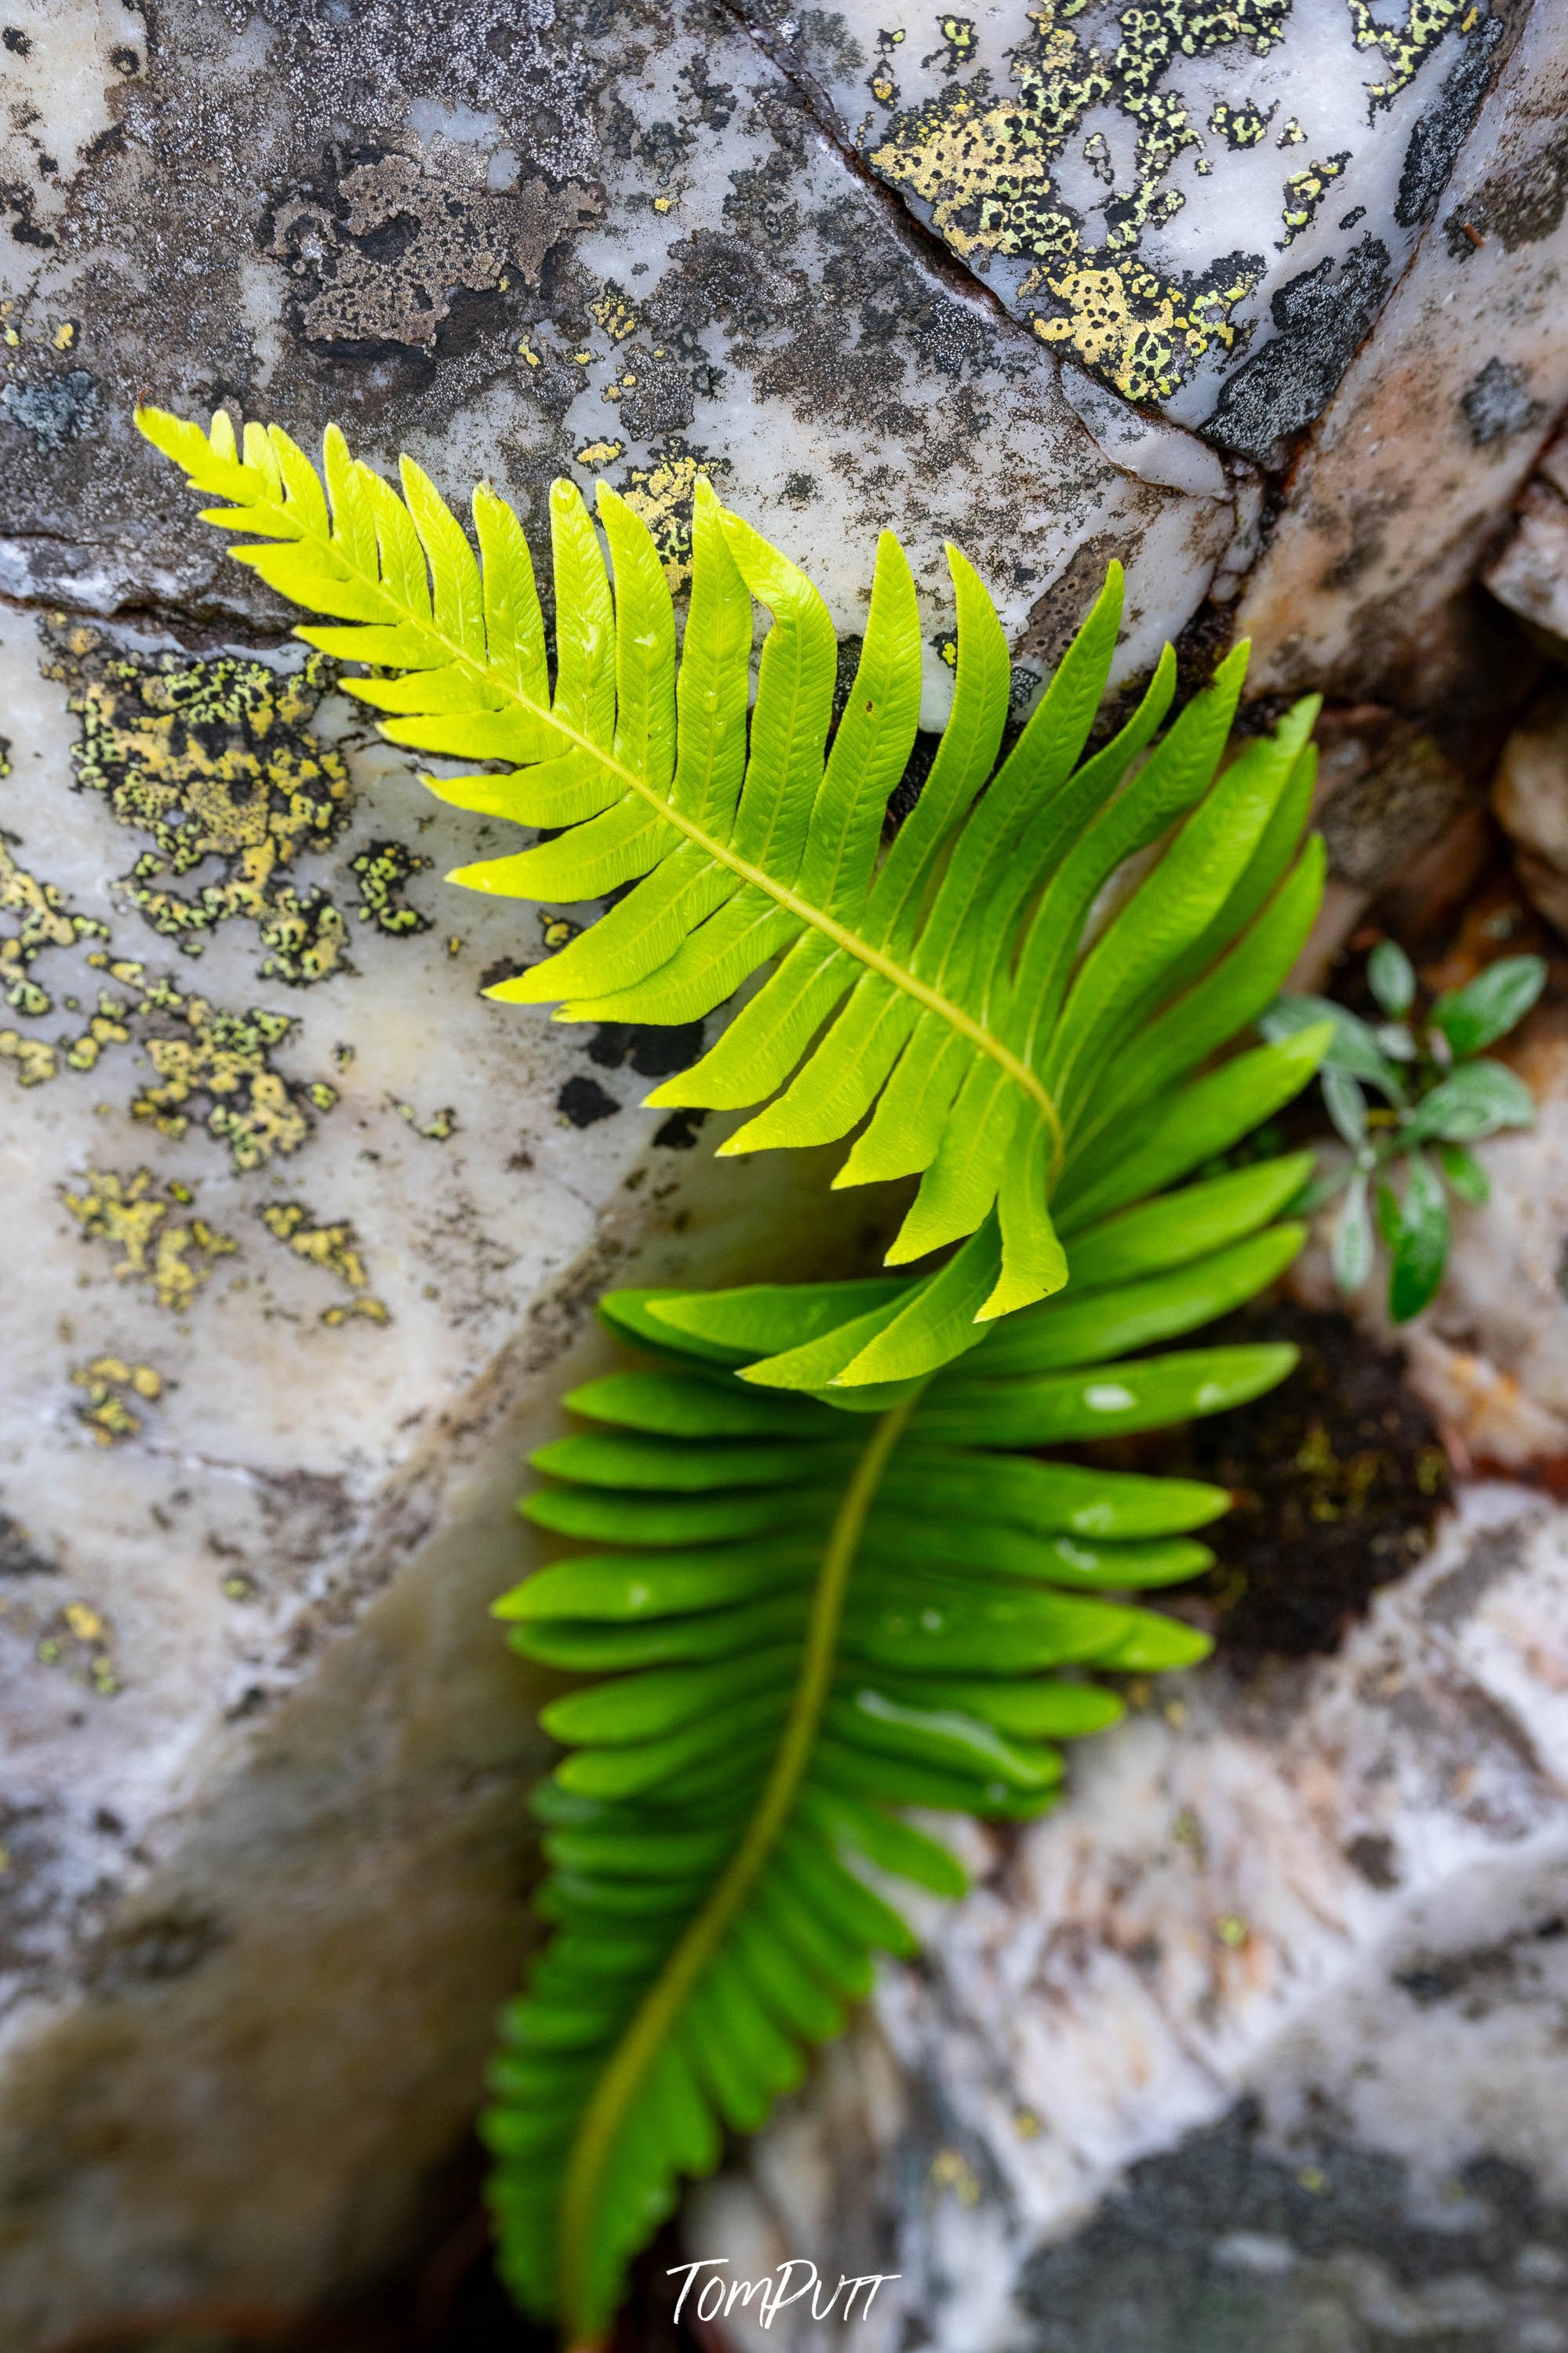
x=944 y=999
x=800 y=1622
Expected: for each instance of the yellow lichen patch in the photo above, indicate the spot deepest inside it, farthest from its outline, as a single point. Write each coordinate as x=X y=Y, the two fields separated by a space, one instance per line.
x=1240 y=126
x=77 y=1638
x=440 y=1125
x=111 y=1382
x=601 y=453
x=106 y=1028
x=36 y=1062
x=43 y=921
x=952 y=2171
x=959 y=41
x=383 y=869
x=661 y=492
x=369 y=1311
x=334 y=1247
x=159 y=1245
x=1405 y=47
x=1122 y=321
x=984 y=165
x=224 y=1057
x=214 y=759
x=615 y=314
x=1305 y=191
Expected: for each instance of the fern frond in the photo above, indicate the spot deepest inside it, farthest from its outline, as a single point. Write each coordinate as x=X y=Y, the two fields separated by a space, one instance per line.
x=801 y=1621
x=952 y=999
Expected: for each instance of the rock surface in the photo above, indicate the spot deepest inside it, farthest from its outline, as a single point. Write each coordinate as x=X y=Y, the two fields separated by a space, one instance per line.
x=1402 y=488
x=1530 y=574
x=303 y=1234
x=1530 y=801
x=1258 y=2042
x=1206 y=207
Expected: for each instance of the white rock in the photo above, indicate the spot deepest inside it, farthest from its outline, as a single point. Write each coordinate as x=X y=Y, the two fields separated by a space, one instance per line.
x=1262 y=2024
x=1164 y=198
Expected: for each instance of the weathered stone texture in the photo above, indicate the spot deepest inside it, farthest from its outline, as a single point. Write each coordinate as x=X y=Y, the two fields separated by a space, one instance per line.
x=524 y=246
x=1206 y=206
x=1530 y=801
x=1530 y=572
x=1406 y=482
x=1283 y=1987
x=302 y=1231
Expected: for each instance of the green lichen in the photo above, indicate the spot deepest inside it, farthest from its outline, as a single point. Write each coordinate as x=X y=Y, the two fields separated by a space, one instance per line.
x=214 y=759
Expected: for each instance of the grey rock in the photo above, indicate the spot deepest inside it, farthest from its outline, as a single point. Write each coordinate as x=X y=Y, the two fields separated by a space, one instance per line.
x=1395 y=502
x=1530 y=801
x=1168 y=195
x=1497 y=402
x=55 y=409
x=1530 y=574
x=1321 y=317
x=1256 y=2042
x=520 y=246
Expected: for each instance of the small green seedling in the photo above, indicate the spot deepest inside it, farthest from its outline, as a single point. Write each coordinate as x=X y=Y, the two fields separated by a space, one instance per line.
x=1439 y=1095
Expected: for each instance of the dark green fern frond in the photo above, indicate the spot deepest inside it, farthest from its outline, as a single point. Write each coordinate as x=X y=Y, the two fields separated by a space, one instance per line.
x=953 y=999
x=800 y=1621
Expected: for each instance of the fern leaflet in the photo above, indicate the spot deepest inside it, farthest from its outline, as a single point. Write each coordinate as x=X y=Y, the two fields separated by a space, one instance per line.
x=951 y=999
x=800 y=1620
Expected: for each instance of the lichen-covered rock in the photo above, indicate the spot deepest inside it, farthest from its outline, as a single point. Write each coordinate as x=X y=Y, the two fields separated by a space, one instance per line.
x=302 y=1231
x=520 y=246
x=1404 y=484
x=302 y=1239
x=1208 y=207
x=1256 y=2043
